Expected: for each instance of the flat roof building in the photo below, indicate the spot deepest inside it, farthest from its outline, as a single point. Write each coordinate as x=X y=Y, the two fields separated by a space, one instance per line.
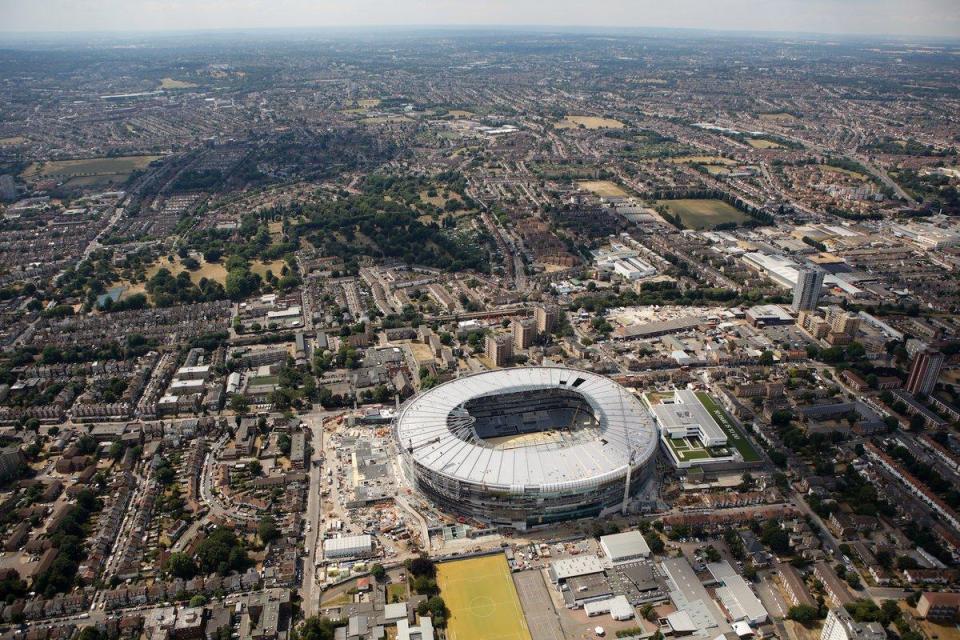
x=625 y=547
x=736 y=596
x=576 y=566
x=618 y=607
x=691 y=599
x=686 y=417
x=500 y=349
x=839 y=625
x=348 y=547
x=939 y=606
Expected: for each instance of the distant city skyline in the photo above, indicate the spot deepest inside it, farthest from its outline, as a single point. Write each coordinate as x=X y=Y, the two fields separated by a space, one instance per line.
x=928 y=18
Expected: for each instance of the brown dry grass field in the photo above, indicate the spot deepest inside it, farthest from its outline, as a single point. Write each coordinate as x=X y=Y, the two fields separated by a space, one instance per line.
x=603 y=188
x=589 y=122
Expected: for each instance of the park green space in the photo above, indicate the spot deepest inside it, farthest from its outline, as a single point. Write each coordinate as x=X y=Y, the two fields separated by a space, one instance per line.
x=89 y=171
x=705 y=213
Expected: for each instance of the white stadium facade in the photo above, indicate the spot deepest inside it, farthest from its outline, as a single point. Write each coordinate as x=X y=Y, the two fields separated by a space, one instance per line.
x=527 y=446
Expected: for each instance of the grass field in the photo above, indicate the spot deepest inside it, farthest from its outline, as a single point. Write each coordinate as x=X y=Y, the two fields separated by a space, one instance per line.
x=847 y=172
x=90 y=171
x=439 y=200
x=603 y=188
x=384 y=119
x=589 y=122
x=9 y=142
x=760 y=143
x=421 y=352
x=716 y=170
x=397 y=592
x=778 y=117
x=482 y=599
x=209 y=270
x=262 y=267
x=170 y=83
x=704 y=214
x=715 y=165
x=702 y=160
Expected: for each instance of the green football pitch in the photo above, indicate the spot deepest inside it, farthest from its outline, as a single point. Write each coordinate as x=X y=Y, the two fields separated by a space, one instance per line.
x=482 y=600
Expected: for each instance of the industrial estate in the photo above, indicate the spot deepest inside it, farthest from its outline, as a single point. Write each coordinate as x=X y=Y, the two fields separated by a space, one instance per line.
x=479 y=334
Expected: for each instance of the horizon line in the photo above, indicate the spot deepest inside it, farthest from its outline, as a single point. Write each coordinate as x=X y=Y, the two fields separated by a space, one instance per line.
x=22 y=33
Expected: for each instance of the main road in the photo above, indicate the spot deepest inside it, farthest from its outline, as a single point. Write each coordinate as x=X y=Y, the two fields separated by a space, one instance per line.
x=310 y=591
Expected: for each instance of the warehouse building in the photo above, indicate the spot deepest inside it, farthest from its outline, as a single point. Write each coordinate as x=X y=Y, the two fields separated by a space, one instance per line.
x=348 y=547
x=625 y=547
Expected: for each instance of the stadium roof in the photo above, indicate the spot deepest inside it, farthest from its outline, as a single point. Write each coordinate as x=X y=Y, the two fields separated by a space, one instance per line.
x=425 y=429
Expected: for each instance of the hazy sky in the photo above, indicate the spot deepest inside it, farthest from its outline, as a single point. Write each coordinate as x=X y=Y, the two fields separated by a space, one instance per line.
x=913 y=17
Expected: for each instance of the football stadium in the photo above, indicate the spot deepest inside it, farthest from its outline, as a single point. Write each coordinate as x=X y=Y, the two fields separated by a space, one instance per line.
x=527 y=446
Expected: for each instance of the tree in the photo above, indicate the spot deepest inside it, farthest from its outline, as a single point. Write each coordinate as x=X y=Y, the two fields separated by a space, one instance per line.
x=775 y=537
x=165 y=473
x=91 y=633
x=221 y=552
x=917 y=422
x=180 y=565
x=255 y=468
x=438 y=611
x=891 y=610
x=853 y=579
x=377 y=571
x=116 y=450
x=781 y=418
x=267 y=530
x=425 y=585
x=283 y=444
x=239 y=403
x=865 y=611
x=803 y=613
x=198 y=600
x=655 y=542
x=778 y=458
x=316 y=628
x=241 y=283
x=422 y=566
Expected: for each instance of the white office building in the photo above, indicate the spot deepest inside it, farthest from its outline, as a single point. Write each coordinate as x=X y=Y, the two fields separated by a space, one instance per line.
x=841 y=626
